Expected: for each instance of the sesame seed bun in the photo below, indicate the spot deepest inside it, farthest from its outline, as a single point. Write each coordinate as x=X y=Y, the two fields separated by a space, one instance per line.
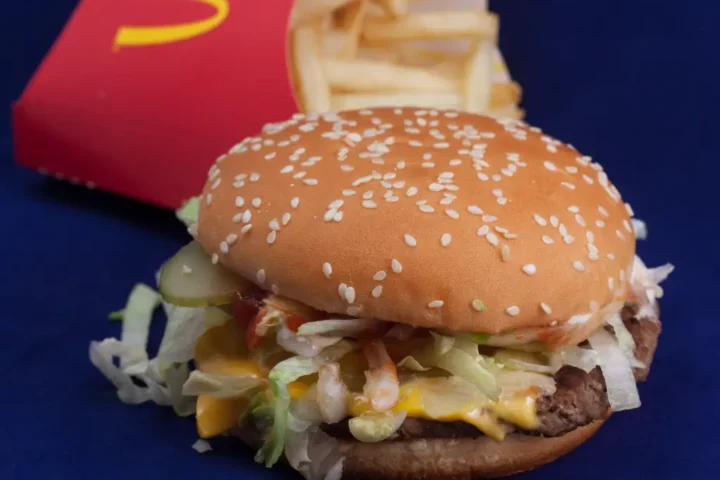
x=449 y=459
x=433 y=218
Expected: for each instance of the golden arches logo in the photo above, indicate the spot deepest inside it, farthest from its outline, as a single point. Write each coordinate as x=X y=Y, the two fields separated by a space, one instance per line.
x=136 y=36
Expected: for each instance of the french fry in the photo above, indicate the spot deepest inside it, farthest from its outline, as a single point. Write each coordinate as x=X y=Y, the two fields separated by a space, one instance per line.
x=352 y=101
x=430 y=25
x=504 y=94
x=308 y=11
x=353 y=22
x=393 y=8
x=313 y=88
x=380 y=54
x=373 y=76
x=476 y=81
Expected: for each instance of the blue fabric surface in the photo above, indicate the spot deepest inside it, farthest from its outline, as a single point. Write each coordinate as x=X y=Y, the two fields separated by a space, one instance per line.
x=631 y=83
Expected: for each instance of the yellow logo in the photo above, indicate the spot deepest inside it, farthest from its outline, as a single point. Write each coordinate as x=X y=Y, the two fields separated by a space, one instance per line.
x=136 y=36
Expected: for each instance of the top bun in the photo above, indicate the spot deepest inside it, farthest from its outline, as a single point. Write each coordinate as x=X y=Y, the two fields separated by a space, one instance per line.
x=434 y=218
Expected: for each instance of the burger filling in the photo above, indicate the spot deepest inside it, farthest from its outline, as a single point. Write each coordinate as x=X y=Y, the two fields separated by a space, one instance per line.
x=303 y=378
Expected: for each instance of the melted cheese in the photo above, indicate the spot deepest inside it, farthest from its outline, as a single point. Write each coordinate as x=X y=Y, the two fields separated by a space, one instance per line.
x=214 y=416
x=517 y=409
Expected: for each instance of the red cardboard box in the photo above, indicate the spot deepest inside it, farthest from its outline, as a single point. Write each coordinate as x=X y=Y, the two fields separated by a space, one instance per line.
x=139 y=97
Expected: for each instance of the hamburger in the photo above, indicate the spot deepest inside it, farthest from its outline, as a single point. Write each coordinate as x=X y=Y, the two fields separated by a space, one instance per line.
x=400 y=293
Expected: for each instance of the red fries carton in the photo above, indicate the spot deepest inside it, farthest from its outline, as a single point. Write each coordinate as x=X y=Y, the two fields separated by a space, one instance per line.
x=139 y=97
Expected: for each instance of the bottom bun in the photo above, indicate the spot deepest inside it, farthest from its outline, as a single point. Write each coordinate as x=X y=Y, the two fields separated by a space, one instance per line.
x=450 y=459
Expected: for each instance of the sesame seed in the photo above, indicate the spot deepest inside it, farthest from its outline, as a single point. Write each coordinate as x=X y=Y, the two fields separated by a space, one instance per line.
x=599 y=223
x=214 y=258
x=627 y=226
x=224 y=247
x=350 y=294
x=410 y=240
x=239 y=201
x=327 y=269
x=569 y=185
x=554 y=221
x=270 y=155
x=611 y=256
x=436 y=304
x=505 y=253
x=455 y=162
x=602 y=210
x=482 y=231
x=573 y=209
x=539 y=220
x=329 y=215
x=310 y=181
x=475 y=210
x=256 y=202
x=341 y=290
x=580 y=220
x=237 y=218
x=452 y=213
x=563 y=229
x=231 y=238
x=208 y=199
x=246 y=228
x=247 y=216
x=530 y=269
x=260 y=276
x=489 y=218
x=496 y=177
x=579 y=266
x=369 y=204
x=629 y=210
x=587 y=179
x=411 y=191
x=620 y=234
x=435 y=187
x=482 y=176
x=545 y=308
x=348 y=192
x=275 y=289
x=254 y=177
x=379 y=276
x=492 y=239
x=286 y=218
x=568 y=239
x=547 y=240
x=513 y=311
x=426 y=208
x=274 y=224
x=550 y=166
x=338 y=217
x=571 y=169
x=478 y=305
x=396 y=266
x=445 y=239
x=367 y=195
x=590 y=236
x=271 y=237
x=427 y=164
x=377 y=291
x=347 y=168
x=502 y=200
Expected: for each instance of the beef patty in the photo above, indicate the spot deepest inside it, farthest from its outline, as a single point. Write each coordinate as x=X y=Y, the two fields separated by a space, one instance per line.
x=580 y=398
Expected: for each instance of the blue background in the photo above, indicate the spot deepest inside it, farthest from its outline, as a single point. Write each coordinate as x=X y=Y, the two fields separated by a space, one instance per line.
x=631 y=83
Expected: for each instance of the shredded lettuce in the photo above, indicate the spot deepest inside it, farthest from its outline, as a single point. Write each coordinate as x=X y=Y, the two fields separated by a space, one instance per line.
x=443 y=343
x=308 y=449
x=640 y=229
x=188 y=213
x=116 y=315
x=350 y=327
x=201 y=446
x=465 y=363
x=621 y=387
x=220 y=386
x=279 y=377
x=583 y=358
x=625 y=341
x=411 y=363
x=164 y=375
